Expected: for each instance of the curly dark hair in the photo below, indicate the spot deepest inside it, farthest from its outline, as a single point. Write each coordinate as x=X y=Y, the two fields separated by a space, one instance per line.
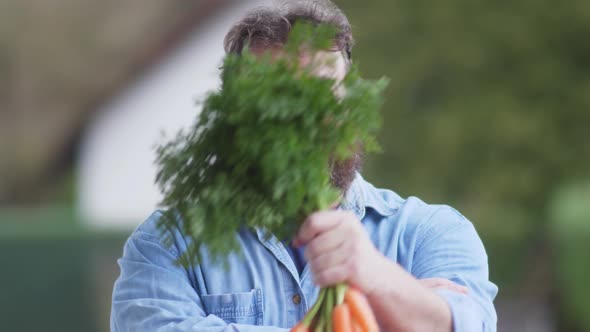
x=268 y=27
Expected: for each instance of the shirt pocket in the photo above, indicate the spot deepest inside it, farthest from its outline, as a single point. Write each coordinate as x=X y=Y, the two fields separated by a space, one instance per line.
x=238 y=308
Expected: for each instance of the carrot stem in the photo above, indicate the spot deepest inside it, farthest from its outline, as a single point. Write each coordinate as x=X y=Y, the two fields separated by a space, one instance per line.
x=314 y=309
x=340 y=291
x=319 y=327
x=328 y=306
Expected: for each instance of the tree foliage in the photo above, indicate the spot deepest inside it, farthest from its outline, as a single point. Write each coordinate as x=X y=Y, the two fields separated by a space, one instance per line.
x=488 y=110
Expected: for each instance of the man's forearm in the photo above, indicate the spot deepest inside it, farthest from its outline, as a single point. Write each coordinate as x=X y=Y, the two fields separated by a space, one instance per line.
x=402 y=304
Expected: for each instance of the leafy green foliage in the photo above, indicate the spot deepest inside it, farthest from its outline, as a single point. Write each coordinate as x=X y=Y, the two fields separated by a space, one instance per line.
x=488 y=110
x=259 y=153
x=570 y=235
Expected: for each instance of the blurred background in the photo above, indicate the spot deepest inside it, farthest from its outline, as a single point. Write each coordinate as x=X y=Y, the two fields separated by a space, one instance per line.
x=488 y=111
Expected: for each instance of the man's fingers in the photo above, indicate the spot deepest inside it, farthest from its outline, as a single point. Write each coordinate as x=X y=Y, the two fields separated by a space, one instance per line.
x=443 y=283
x=455 y=288
x=331 y=276
x=434 y=282
x=317 y=223
x=327 y=260
x=323 y=243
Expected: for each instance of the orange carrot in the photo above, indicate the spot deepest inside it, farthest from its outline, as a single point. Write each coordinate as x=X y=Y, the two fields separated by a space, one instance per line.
x=356 y=327
x=300 y=328
x=361 y=310
x=341 y=318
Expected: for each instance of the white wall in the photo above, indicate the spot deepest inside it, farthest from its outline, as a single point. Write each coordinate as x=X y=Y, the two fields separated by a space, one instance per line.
x=116 y=168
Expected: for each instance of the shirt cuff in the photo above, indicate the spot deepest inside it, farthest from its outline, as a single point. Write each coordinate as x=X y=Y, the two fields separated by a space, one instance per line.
x=466 y=317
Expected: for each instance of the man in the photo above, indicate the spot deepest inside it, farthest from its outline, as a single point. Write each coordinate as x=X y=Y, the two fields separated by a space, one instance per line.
x=422 y=267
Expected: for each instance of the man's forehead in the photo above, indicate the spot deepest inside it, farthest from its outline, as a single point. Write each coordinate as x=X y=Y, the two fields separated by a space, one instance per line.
x=325 y=63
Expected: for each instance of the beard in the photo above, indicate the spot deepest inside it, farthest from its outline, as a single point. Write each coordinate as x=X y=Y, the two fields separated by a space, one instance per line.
x=344 y=171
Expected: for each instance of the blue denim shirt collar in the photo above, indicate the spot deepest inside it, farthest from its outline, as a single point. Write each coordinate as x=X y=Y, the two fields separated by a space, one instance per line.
x=360 y=196
x=357 y=199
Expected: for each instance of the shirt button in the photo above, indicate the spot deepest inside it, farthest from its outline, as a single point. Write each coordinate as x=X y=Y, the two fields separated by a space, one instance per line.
x=296 y=299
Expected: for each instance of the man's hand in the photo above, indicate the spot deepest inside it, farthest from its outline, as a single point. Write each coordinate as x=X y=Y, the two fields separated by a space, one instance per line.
x=338 y=249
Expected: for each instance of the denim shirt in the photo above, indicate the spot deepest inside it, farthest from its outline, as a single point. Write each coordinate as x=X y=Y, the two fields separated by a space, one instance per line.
x=262 y=290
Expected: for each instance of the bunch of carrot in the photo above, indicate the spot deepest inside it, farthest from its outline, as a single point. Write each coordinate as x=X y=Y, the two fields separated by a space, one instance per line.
x=339 y=308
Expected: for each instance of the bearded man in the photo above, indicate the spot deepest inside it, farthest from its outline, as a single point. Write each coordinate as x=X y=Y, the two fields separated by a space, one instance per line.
x=422 y=267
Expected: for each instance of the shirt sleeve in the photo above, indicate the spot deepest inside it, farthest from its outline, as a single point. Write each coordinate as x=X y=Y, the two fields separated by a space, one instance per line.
x=450 y=248
x=152 y=293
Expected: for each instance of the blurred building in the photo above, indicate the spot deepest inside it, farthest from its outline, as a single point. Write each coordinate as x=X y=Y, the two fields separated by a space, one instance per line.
x=116 y=167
